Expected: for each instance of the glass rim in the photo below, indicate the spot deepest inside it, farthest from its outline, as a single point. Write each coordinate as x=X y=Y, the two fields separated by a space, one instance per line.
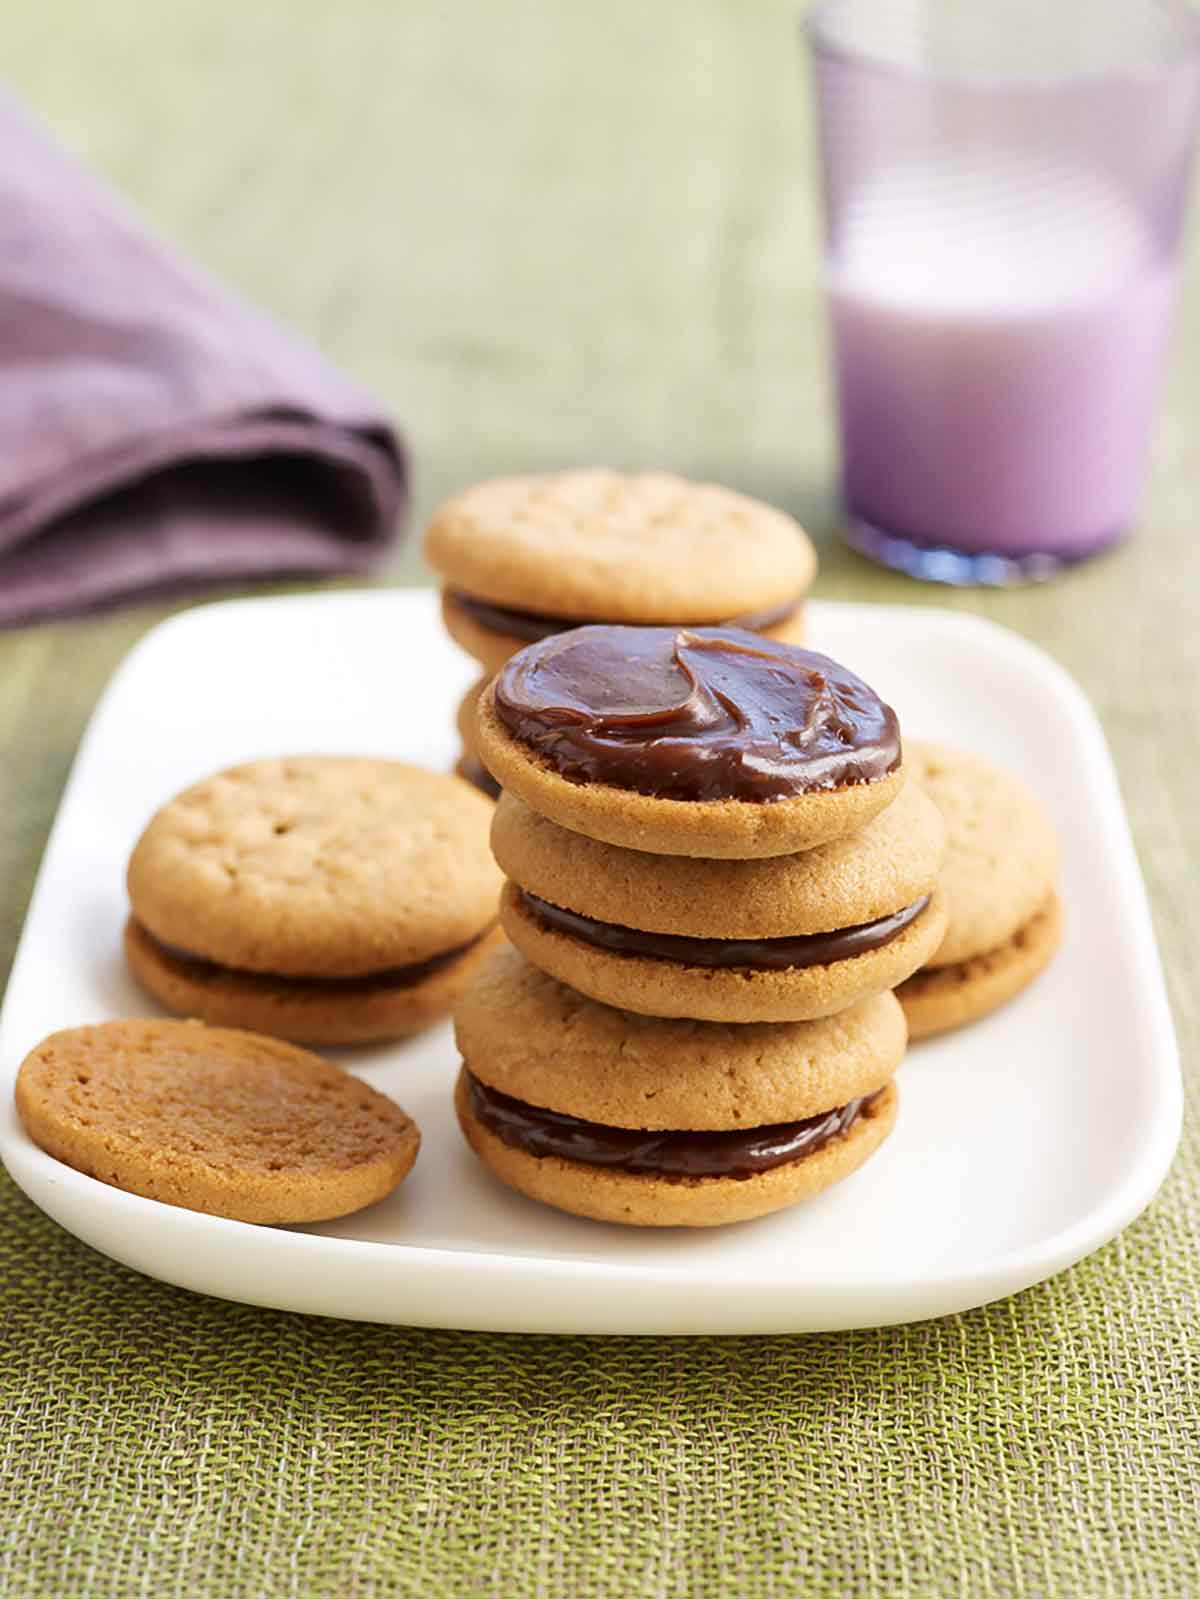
x=815 y=25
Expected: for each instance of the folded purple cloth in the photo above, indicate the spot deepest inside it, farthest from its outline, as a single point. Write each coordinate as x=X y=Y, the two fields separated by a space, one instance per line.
x=156 y=431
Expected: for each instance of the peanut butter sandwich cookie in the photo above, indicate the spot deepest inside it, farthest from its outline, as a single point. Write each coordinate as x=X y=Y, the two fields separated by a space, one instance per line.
x=708 y=742
x=212 y=1120
x=785 y=939
x=658 y=1123
x=1005 y=918
x=526 y=557
x=325 y=899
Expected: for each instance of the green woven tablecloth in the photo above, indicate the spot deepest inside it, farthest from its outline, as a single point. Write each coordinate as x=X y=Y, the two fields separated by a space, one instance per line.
x=550 y=233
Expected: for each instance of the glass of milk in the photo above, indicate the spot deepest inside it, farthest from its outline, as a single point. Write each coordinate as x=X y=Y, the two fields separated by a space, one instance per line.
x=1005 y=186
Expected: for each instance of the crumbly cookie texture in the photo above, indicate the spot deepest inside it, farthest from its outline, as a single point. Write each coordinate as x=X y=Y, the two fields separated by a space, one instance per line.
x=213 y=1120
x=1002 y=853
x=491 y=648
x=318 y=867
x=600 y=546
x=635 y=1200
x=711 y=829
x=655 y=987
x=304 y=1010
x=884 y=866
x=523 y=1033
x=941 y=997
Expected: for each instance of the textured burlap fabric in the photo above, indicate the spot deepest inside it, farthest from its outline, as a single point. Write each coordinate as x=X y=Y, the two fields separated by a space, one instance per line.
x=551 y=234
x=156 y=1443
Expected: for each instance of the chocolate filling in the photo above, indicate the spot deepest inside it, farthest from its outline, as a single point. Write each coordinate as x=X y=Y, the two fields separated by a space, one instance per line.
x=199 y=969
x=530 y=626
x=762 y=954
x=737 y=1152
x=709 y=714
x=476 y=773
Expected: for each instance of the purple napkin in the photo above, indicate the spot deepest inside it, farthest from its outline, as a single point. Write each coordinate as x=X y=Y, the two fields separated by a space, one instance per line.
x=155 y=431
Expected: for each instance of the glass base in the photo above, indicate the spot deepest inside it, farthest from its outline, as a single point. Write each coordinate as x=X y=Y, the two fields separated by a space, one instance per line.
x=933 y=563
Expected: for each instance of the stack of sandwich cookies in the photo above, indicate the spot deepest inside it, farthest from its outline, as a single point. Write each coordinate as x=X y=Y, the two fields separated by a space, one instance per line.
x=525 y=558
x=322 y=899
x=1005 y=917
x=661 y=1123
x=782 y=939
x=709 y=835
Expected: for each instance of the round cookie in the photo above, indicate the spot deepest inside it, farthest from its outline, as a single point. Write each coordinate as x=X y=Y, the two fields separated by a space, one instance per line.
x=492 y=646
x=786 y=939
x=532 y=1040
x=942 y=997
x=712 y=742
x=257 y=892
x=212 y=1120
x=601 y=1194
x=304 y=1010
x=599 y=546
x=1002 y=853
x=887 y=864
x=1005 y=920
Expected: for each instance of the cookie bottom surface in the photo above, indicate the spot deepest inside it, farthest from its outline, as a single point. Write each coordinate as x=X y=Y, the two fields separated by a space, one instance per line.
x=634 y=1200
x=492 y=649
x=654 y=987
x=302 y=1012
x=939 y=998
x=209 y=1119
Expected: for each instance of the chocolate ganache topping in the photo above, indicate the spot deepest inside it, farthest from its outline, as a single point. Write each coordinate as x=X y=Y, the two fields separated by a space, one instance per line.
x=738 y=1152
x=709 y=713
x=762 y=954
x=533 y=625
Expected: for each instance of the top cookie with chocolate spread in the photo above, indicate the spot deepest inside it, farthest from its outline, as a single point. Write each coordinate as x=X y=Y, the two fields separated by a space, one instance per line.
x=710 y=742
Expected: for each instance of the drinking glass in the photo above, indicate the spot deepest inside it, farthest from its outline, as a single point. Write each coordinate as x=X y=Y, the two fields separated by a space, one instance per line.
x=1005 y=188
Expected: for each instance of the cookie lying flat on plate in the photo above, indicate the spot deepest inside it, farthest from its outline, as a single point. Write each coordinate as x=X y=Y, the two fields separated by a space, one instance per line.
x=212 y=1120
x=527 y=557
x=785 y=939
x=1005 y=919
x=710 y=742
x=657 y=1123
x=324 y=899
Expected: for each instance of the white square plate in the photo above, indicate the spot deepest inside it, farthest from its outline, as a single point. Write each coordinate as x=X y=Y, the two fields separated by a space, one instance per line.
x=1023 y=1142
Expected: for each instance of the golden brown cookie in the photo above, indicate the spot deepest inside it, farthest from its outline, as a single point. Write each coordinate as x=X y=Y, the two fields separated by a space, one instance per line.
x=305 y=1010
x=785 y=939
x=711 y=981
x=1002 y=854
x=942 y=997
x=597 y=546
x=212 y=1120
x=877 y=870
x=663 y=1123
x=739 y=782
x=314 y=870
x=526 y=1035
x=635 y=1200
